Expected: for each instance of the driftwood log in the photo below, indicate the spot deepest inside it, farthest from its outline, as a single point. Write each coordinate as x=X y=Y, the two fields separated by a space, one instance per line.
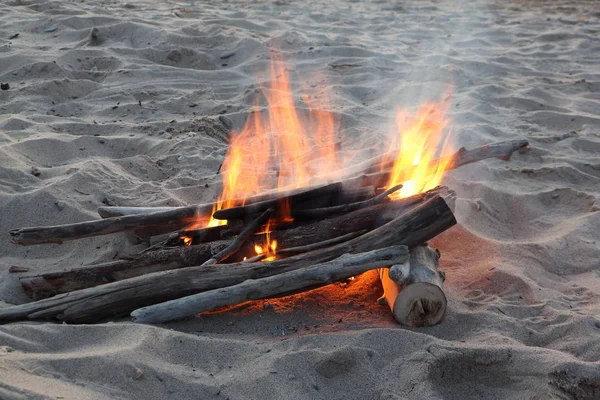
x=253 y=289
x=346 y=195
x=50 y=284
x=413 y=289
x=412 y=228
x=172 y=219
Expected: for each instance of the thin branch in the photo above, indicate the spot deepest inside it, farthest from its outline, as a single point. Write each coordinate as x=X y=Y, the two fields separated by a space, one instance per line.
x=241 y=238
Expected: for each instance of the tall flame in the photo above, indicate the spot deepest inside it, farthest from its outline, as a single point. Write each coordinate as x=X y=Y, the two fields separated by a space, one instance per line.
x=417 y=150
x=277 y=151
x=285 y=149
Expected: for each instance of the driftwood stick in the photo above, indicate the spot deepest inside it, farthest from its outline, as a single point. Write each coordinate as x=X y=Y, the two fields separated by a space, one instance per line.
x=347 y=195
x=255 y=208
x=412 y=228
x=61 y=233
x=290 y=251
x=115 y=211
x=413 y=290
x=254 y=289
x=241 y=238
x=171 y=219
x=327 y=212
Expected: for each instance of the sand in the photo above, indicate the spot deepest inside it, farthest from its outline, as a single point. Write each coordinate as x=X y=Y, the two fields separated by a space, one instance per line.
x=114 y=102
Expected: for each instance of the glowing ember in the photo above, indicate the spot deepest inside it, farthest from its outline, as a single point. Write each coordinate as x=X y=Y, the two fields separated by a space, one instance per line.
x=187 y=240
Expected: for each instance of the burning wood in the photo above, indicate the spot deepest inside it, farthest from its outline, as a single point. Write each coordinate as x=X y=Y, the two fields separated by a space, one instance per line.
x=411 y=228
x=314 y=233
x=276 y=285
x=307 y=222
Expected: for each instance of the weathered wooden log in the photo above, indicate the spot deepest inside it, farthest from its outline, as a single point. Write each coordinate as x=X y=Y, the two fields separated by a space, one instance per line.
x=116 y=211
x=61 y=233
x=345 y=196
x=53 y=283
x=414 y=289
x=50 y=284
x=237 y=243
x=412 y=228
x=253 y=289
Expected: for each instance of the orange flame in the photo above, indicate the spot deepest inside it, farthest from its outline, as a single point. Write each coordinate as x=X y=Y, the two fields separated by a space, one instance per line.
x=270 y=247
x=286 y=148
x=418 y=162
x=279 y=151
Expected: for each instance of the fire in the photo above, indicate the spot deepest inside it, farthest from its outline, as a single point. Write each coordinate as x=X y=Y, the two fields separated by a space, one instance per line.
x=270 y=246
x=187 y=240
x=279 y=150
x=418 y=162
x=288 y=147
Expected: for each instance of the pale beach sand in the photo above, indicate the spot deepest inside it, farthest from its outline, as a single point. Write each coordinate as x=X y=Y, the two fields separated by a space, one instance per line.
x=129 y=115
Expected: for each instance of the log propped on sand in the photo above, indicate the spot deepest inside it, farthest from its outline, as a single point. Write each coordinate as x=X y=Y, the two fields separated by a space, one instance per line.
x=413 y=289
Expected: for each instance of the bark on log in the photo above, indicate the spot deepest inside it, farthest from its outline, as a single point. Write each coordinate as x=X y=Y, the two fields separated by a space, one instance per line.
x=414 y=289
x=412 y=228
x=50 y=284
x=272 y=286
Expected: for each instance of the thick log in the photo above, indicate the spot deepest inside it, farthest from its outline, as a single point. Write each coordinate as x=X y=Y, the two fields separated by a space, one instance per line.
x=414 y=289
x=253 y=289
x=50 y=284
x=412 y=228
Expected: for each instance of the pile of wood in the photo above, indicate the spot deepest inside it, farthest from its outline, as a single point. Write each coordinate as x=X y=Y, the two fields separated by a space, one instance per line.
x=335 y=232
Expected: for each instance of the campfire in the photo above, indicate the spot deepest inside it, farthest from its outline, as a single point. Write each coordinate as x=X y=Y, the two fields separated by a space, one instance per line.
x=295 y=212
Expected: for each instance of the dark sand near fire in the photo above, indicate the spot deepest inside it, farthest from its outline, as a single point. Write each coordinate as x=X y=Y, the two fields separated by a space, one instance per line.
x=522 y=265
